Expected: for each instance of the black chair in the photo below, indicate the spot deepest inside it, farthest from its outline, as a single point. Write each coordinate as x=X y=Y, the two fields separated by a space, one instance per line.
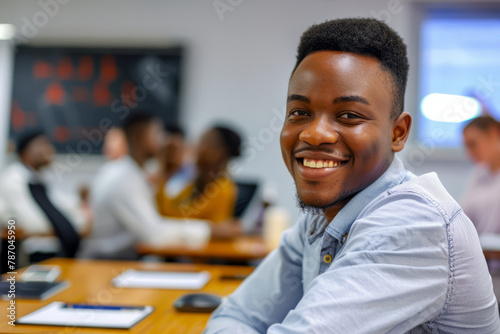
x=248 y=206
x=246 y=192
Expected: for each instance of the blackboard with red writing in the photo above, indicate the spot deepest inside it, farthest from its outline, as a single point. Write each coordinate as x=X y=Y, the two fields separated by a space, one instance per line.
x=76 y=94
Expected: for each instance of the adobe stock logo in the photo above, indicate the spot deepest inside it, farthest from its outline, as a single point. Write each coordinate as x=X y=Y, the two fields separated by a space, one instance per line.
x=223 y=6
x=394 y=7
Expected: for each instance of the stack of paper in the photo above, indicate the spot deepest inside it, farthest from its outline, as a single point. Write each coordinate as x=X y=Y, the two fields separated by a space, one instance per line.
x=100 y=316
x=161 y=280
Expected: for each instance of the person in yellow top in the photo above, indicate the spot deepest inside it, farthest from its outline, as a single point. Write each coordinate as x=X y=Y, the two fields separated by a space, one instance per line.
x=212 y=194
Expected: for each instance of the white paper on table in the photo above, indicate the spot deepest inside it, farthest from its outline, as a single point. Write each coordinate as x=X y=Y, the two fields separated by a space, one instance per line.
x=161 y=279
x=56 y=314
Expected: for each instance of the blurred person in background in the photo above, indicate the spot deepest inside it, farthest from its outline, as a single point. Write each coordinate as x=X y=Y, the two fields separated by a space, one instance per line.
x=115 y=144
x=177 y=170
x=212 y=194
x=480 y=202
x=40 y=209
x=123 y=200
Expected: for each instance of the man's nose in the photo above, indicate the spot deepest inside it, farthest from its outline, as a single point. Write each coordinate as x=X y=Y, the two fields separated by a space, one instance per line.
x=319 y=131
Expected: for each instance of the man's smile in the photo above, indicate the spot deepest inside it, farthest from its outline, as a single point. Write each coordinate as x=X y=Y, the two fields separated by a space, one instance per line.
x=314 y=164
x=314 y=169
x=319 y=163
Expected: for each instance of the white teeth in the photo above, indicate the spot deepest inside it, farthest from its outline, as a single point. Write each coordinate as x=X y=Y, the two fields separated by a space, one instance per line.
x=320 y=163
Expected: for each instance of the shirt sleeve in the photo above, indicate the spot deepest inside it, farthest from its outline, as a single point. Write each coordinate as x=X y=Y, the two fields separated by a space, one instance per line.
x=390 y=277
x=267 y=295
x=134 y=206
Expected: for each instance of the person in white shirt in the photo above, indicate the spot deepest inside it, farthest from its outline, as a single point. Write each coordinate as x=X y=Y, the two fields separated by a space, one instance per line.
x=114 y=145
x=123 y=201
x=22 y=185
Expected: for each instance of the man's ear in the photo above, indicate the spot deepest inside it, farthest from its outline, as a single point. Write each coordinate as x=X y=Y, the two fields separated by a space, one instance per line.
x=400 y=131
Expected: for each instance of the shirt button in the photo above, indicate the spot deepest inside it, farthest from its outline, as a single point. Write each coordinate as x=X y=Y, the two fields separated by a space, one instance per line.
x=327 y=258
x=344 y=239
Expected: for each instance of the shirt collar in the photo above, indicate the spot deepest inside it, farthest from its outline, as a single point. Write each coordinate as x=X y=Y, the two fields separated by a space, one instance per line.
x=128 y=160
x=342 y=222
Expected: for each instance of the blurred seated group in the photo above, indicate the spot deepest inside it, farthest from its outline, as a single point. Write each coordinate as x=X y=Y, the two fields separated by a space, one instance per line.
x=186 y=200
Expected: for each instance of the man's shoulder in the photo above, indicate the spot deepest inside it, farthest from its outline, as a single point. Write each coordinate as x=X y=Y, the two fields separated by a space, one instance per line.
x=113 y=176
x=412 y=215
x=115 y=169
x=426 y=187
x=418 y=200
x=14 y=174
x=15 y=168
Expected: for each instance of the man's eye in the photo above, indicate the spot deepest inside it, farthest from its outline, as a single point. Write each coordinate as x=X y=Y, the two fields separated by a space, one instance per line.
x=299 y=113
x=349 y=115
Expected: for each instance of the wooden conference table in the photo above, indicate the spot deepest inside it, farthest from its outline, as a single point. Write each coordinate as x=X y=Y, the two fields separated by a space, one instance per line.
x=491 y=254
x=90 y=282
x=243 y=248
x=247 y=248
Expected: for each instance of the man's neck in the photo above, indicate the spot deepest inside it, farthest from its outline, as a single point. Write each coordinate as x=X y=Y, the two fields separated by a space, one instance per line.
x=331 y=212
x=30 y=165
x=139 y=158
x=209 y=174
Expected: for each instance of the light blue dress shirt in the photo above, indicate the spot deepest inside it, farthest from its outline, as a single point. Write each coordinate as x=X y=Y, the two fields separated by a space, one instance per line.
x=400 y=257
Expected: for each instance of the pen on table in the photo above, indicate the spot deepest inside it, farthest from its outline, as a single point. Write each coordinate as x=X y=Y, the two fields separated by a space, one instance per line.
x=102 y=307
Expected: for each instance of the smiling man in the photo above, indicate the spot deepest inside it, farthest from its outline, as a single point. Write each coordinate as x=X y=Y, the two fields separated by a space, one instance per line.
x=379 y=249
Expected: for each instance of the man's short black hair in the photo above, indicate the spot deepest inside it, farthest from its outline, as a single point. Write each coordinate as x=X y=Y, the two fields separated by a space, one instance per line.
x=362 y=36
x=26 y=137
x=231 y=140
x=136 y=119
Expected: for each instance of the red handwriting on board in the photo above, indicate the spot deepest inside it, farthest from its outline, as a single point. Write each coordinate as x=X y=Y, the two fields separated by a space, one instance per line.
x=83 y=70
x=70 y=81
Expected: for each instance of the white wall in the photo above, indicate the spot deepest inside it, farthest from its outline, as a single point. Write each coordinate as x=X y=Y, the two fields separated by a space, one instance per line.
x=6 y=66
x=237 y=68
